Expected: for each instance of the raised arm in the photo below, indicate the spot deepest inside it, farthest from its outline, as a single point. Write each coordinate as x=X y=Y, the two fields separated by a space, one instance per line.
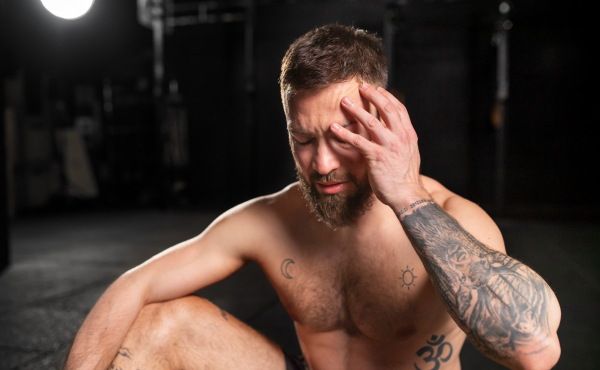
x=179 y=271
x=507 y=310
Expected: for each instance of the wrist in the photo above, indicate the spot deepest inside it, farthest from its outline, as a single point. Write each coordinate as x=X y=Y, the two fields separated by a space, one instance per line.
x=411 y=200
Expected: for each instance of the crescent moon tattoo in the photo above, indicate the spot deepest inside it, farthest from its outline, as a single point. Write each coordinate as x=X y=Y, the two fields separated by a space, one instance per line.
x=284 y=266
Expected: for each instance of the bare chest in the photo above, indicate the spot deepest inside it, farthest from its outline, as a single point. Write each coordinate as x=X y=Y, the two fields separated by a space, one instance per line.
x=377 y=288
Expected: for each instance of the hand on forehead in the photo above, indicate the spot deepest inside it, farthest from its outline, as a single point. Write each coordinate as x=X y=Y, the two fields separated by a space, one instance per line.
x=314 y=109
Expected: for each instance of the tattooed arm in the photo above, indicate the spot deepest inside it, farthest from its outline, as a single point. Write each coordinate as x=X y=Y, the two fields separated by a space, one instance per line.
x=505 y=308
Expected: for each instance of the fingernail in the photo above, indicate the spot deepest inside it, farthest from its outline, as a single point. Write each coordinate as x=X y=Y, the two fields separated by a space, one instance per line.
x=347 y=101
x=335 y=126
x=380 y=88
x=365 y=85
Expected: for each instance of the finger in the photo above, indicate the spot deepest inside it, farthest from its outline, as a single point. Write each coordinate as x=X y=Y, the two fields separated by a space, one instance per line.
x=390 y=97
x=405 y=119
x=371 y=123
x=386 y=108
x=359 y=142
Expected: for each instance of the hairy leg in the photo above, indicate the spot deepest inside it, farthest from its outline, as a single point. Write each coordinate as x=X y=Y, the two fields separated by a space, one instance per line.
x=192 y=333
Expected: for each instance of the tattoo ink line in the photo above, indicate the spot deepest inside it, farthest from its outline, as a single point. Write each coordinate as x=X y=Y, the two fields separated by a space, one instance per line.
x=403 y=211
x=408 y=277
x=434 y=356
x=284 y=267
x=224 y=314
x=430 y=201
x=125 y=352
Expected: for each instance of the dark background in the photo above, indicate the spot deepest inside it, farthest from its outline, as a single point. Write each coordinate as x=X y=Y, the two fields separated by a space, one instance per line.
x=66 y=248
x=443 y=66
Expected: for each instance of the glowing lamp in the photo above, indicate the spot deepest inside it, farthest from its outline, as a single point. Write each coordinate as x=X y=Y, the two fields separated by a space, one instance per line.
x=68 y=9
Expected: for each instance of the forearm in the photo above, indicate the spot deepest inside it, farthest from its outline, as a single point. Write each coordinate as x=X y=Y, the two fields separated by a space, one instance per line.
x=501 y=304
x=98 y=340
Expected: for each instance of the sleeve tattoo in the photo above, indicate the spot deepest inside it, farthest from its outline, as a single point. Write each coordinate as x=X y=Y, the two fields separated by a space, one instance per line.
x=499 y=302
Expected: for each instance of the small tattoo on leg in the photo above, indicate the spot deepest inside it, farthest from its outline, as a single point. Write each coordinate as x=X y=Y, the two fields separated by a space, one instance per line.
x=125 y=352
x=224 y=314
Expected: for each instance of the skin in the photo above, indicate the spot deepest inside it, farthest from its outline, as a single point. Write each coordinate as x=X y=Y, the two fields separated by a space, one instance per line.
x=388 y=292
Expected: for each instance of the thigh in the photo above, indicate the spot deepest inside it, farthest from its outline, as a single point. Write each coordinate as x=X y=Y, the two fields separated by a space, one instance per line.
x=192 y=333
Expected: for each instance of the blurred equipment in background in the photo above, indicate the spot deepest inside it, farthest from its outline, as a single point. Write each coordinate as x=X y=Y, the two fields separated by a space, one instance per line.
x=32 y=157
x=80 y=181
x=163 y=16
x=175 y=151
x=130 y=161
x=498 y=116
x=5 y=134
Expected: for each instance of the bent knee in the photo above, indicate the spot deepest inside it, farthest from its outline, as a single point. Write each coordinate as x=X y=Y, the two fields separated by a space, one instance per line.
x=166 y=319
x=186 y=308
x=160 y=329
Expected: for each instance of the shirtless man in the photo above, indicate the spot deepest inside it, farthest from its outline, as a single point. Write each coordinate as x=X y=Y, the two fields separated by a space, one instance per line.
x=379 y=267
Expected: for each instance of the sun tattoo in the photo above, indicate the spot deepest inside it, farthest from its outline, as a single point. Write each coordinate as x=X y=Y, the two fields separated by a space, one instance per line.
x=408 y=277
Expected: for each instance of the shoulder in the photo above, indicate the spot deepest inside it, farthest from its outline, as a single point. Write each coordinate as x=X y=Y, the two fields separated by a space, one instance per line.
x=468 y=214
x=270 y=207
x=258 y=222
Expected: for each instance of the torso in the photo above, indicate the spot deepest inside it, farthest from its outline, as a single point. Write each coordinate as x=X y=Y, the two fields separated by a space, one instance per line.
x=358 y=301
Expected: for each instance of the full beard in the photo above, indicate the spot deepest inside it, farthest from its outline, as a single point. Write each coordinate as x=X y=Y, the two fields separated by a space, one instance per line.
x=337 y=210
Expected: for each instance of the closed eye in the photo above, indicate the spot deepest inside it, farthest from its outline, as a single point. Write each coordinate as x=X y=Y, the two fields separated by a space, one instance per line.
x=303 y=143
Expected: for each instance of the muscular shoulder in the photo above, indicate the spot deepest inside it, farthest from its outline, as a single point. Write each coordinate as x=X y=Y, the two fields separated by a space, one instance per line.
x=259 y=223
x=273 y=208
x=471 y=217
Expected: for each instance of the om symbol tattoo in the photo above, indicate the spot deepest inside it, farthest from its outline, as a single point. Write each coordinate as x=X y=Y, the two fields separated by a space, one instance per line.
x=432 y=356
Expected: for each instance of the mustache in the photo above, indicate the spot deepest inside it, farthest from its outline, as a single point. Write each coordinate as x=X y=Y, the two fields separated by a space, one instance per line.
x=330 y=177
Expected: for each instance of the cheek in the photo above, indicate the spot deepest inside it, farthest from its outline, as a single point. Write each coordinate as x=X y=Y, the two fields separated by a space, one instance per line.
x=348 y=152
x=348 y=156
x=303 y=156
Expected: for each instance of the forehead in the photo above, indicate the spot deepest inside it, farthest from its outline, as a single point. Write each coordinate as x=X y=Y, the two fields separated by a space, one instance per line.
x=316 y=110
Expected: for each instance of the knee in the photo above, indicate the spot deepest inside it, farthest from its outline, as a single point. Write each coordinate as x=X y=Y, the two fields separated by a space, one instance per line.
x=182 y=310
x=171 y=319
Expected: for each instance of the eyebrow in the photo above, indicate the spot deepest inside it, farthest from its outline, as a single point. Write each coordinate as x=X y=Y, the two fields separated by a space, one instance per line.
x=303 y=132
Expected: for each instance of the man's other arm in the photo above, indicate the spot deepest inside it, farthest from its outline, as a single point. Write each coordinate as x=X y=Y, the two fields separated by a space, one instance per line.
x=506 y=309
x=224 y=247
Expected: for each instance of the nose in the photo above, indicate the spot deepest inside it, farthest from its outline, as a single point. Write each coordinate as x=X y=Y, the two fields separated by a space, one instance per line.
x=325 y=159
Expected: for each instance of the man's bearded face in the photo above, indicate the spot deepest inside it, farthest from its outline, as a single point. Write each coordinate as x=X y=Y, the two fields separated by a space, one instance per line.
x=340 y=209
x=323 y=160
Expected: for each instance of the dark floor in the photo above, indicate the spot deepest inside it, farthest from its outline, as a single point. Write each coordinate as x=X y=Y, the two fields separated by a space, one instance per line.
x=62 y=264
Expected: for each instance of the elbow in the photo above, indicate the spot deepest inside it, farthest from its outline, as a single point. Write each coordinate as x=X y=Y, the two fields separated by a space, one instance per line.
x=544 y=360
x=134 y=283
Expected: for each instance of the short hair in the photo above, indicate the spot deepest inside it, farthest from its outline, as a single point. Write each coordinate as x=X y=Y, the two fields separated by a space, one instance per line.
x=331 y=54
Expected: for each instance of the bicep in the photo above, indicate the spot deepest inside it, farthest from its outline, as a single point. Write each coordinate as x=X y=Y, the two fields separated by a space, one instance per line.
x=475 y=221
x=480 y=225
x=194 y=264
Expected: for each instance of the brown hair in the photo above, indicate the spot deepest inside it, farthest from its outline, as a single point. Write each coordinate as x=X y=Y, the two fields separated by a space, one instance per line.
x=331 y=54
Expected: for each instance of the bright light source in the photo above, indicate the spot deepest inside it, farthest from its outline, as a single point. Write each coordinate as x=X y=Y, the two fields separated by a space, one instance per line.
x=68 y=9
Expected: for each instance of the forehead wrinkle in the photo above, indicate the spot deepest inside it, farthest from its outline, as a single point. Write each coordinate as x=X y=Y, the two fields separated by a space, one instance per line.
x=312 y=112
x=308 y=132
